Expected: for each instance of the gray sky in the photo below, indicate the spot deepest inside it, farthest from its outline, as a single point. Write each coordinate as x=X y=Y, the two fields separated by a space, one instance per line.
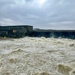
x=55 y=14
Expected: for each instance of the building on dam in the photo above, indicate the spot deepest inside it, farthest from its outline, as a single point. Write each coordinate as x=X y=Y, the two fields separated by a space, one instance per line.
x=26 y=30
x=15 y=31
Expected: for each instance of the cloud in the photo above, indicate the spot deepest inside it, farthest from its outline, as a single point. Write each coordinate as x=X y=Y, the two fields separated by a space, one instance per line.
x=39 y=13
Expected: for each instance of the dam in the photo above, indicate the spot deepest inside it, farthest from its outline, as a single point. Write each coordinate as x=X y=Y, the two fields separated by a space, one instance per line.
x=27 y=30
x=54 y=33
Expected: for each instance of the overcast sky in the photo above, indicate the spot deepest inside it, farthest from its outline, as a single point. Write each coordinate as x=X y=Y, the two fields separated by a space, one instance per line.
x=56 y=14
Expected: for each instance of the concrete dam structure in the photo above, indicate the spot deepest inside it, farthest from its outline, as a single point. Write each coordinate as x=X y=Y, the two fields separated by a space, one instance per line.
x=26 y=30
x=54 y=33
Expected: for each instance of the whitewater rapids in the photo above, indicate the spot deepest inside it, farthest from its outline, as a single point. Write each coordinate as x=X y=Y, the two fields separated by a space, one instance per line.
x=37 y=56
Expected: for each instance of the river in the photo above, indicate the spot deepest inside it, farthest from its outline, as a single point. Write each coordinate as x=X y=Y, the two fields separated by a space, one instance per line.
x=37 y=56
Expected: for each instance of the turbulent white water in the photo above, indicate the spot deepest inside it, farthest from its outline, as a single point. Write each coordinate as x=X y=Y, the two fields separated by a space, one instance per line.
x=37 y=56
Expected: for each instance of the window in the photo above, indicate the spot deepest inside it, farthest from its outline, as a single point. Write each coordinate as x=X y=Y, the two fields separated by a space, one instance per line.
x=14 y=31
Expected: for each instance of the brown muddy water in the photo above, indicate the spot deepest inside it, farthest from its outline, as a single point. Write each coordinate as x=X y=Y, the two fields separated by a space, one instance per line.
x=37 y=56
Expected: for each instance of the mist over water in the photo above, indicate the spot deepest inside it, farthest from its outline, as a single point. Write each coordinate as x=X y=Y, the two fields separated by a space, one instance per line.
x=37 y=56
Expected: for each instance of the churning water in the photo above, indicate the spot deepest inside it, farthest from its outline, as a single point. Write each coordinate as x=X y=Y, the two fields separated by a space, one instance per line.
x=37 y=56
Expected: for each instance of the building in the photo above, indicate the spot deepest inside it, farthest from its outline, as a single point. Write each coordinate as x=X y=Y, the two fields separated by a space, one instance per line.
x=15 y=31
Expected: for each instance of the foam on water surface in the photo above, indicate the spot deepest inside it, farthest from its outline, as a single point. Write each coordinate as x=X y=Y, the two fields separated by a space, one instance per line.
x=37 y=56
